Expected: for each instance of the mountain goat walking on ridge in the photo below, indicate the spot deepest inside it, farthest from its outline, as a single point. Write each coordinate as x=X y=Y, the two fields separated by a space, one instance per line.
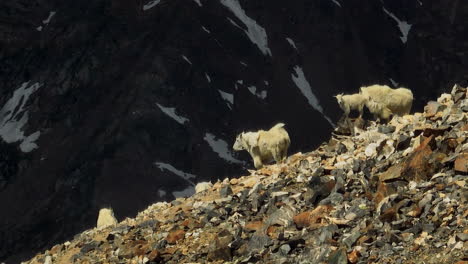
x=264 y=146
x=350 y=102
x=383 y=98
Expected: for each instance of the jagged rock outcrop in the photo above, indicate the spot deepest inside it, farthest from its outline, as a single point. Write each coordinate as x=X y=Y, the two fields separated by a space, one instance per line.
x=132 y=102
x=394 y=193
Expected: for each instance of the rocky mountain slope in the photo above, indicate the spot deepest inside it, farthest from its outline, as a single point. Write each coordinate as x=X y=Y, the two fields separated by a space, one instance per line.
x=394 y=193
x=124 y=103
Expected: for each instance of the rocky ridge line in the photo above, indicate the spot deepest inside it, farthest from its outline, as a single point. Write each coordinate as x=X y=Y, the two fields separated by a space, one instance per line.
x=394 y=193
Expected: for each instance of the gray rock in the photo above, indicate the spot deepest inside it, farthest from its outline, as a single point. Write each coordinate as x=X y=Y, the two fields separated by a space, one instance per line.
x=338 y=257
x=225 y=191
x=285 y=249
x=462 y=236
x=350 y=239
x=90 y=246
x=386 y=129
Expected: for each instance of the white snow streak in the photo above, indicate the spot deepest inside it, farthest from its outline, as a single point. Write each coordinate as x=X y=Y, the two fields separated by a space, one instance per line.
x=207 y=77
x=303 y=85
x=395 y=84
x=151 y=4
x=262 y=94
x=198 y=2
x=13 y=117
x=402 y=25
x=187 y=192
x=228 y=97
x=255 y=32
x=291 y=42
x=234 y=23
x=337 y=3
x=46 y=21
x=161 y=192
x=171 y=112
x=206 y=30
x=253 y=90
x=186 y=176
x=221 y=148
x=187 y=60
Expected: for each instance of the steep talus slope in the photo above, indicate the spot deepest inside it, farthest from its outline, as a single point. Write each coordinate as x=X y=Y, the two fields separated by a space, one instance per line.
x=123 y=103
x=394 y=193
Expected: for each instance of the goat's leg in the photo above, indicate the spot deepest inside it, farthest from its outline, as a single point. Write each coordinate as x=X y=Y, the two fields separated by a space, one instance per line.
x=350 y=126
x=361 y=112
x=284 y=154
x=276 y=153
x=258 y=163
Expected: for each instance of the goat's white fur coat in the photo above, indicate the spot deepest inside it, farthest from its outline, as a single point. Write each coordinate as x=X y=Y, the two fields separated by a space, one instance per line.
x=398 y=101
x=106 y=218
x=265 y=146
x=350 y=102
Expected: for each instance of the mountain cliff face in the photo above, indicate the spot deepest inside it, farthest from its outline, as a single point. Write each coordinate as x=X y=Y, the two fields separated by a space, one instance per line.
x=124 y=103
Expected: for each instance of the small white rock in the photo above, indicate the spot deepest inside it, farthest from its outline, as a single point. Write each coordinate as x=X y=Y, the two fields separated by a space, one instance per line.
x=106 y=218
x=48 y=260
x=203 y=186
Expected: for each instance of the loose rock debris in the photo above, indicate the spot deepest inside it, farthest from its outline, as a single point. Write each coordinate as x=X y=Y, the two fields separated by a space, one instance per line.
x=394 y=193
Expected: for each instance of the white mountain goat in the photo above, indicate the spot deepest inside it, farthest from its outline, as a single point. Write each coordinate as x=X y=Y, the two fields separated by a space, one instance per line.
x=379 y=111
x=264 y=146
x=351 y=102
x=106 y=218
x=382 y=98
x=203 y=186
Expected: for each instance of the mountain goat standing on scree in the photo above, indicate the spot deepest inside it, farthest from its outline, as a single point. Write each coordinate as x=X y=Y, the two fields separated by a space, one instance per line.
x=264 y=146
x=383 y=98
x=350 y=102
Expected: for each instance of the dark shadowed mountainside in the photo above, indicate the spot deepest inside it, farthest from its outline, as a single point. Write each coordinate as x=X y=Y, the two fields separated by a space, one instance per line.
x=125 y=103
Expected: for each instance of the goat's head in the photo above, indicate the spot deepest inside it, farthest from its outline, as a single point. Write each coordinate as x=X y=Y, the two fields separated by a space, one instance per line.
x=239 y=144
x=339 y=96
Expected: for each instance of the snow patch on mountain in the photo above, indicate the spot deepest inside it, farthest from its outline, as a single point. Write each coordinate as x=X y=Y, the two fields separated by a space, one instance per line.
x=187 y=192
x=221 y=148
x=336 y=2
x=46 y=21
x=291 y=42
x=13 y=117
x=253 y=90
x=186 y=59
x=394 y=83
x=171 y=112
x=304 y=86
x=402 y=25
x=208 y=77
x=151 y=4
x=229 y=98
x=234 y=23
x=184 y=175
x=161 y=193
x=255 y=32
x=206 y=30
